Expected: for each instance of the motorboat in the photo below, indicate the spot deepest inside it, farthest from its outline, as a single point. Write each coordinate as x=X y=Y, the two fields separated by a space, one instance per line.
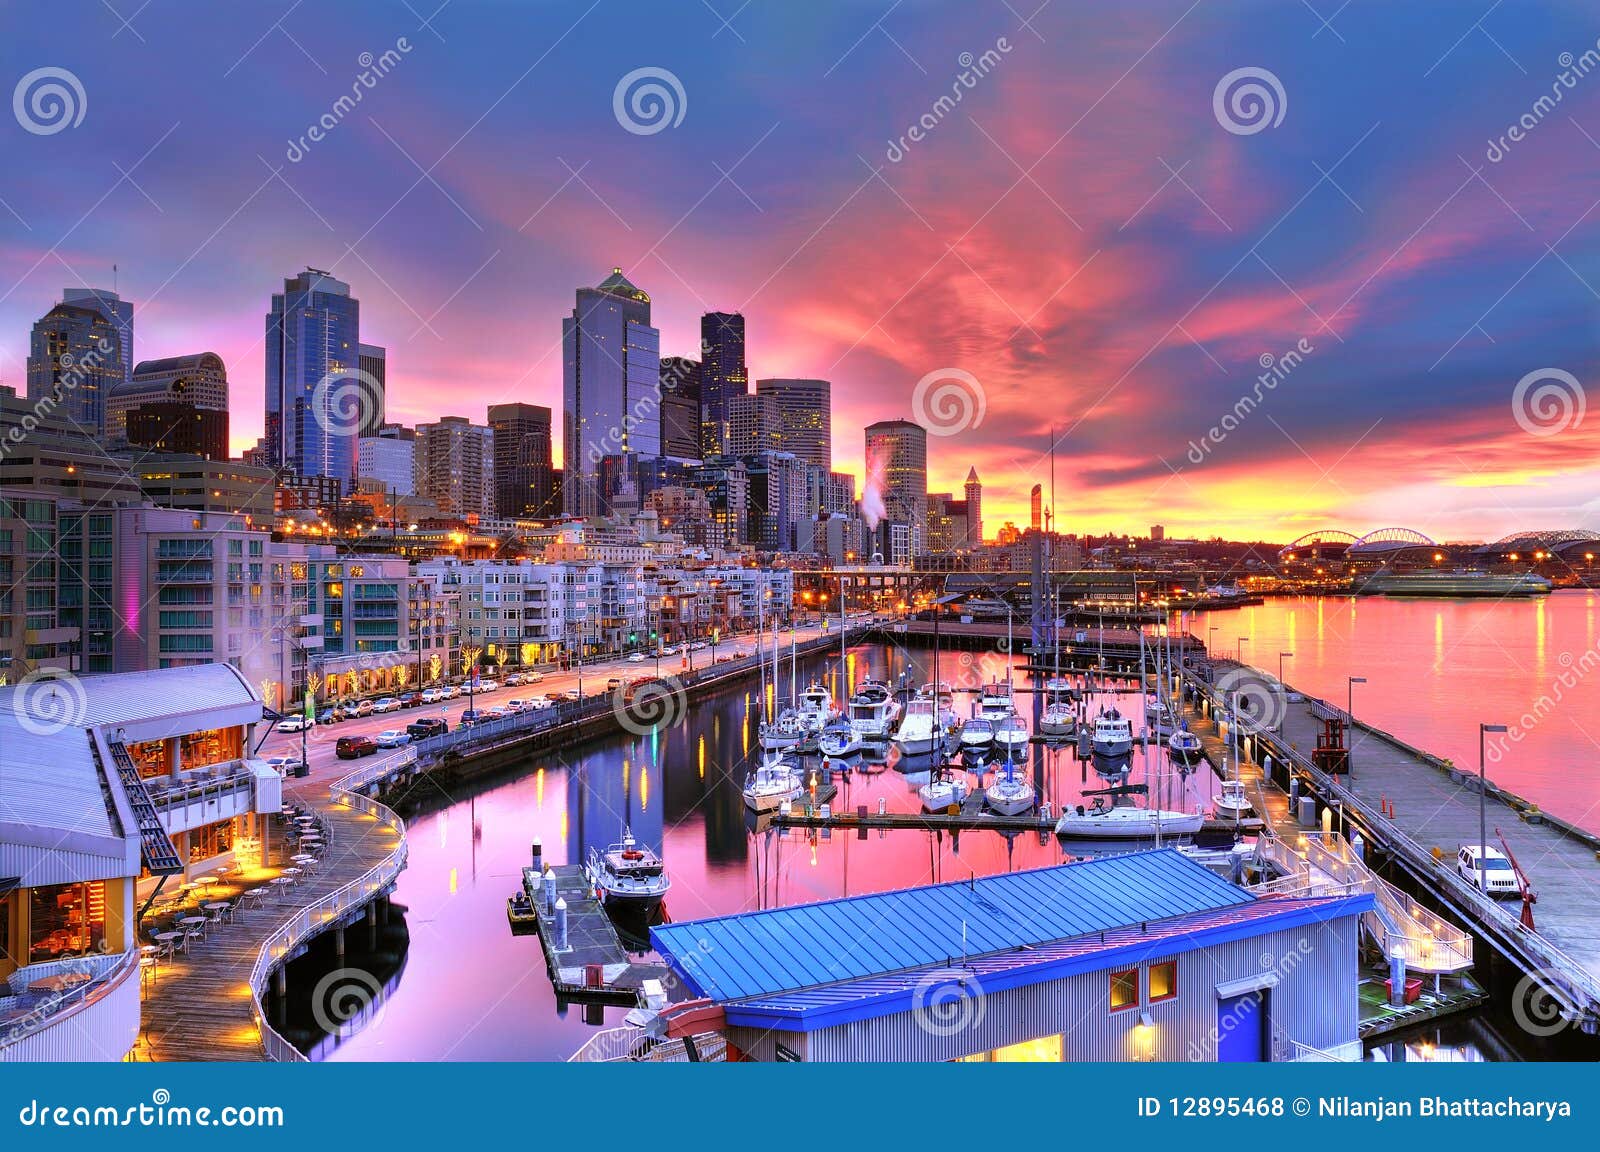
x=1112 y=739
x=873 y=711
x=1010 y=735
x=1107 y=822
x=774 y=781
x=976 y=734
x=1233 y=803
x=1010 y=794
x=815 y=708
x=785 y=732
x=628 y=874
x=1159 y=715
x=994 y=702
x=919 y=732
x=943 y=792
x=1058 y=689
x=838 y=740
x=1058 y=719
x=1185 y=747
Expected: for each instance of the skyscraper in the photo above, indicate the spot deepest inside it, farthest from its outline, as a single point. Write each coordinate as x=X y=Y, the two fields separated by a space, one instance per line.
x=455 y=466
x=522 y=481
x=974 y=488
x=118 y=313
x=374 y=367
x=389 y=459
x=897 y=451
x=74 y=361
x=752 y=424
x=722 y=376
x=805 y=418
x=315 y=400
x=680 y=407
x=1036 y=518
x=611 y=377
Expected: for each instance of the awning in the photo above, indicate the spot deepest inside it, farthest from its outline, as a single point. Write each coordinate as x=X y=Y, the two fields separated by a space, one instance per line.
x=1230 y=988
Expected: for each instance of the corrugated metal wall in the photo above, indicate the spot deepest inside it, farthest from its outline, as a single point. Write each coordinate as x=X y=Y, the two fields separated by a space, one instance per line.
x=1314 y=1002
x=103 y=1030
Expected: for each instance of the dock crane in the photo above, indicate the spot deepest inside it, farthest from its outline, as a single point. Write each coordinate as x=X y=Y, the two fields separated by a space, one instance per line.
x=1529 y=896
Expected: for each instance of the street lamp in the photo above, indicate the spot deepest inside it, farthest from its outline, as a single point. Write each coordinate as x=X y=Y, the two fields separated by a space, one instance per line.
x=1281 y=657
x=1483 y=816
x=1239 y=647
x=1211 y=640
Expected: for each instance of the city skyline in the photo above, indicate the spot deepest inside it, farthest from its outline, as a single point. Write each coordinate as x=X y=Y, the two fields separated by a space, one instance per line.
x=1149 y=300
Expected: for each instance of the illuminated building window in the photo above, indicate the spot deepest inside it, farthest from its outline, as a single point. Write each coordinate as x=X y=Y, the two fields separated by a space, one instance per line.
x=1125 y=989
x=1163 y=981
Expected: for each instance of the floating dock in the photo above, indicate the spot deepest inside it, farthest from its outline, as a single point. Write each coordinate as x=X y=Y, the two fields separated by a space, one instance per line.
x=972 y=816
x=587 y=963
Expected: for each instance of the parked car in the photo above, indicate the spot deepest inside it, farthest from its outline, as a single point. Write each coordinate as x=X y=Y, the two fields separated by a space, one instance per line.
x=387 y=704
x=285 y=765
x=614 y=683
x=362 y=707
x=351 y=747
x=533 y=677
x=431 y=696
x=514 y=680
x=472 y=716
x=422 y=728
x=1494 y=876
x=500 y=712
x=329 y=716
x=392 y=738
x=295 y=724
x=449 y=692
x=410 y=699
x=486 y=686
x=569 y=697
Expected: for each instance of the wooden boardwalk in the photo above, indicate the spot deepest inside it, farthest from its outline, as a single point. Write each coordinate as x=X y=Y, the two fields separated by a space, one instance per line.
x=199 y=1005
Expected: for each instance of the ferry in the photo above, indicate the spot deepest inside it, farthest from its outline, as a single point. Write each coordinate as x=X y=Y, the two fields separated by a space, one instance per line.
x=1459 y=584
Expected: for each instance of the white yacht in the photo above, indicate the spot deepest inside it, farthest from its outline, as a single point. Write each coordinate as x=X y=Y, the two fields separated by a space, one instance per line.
x=1059 y=689
x=943 y=792
x=784 y=732
x=1058 y=719
x=629 y=874
x=977 y=734
x=815 y=708
x=838 y=740
x=774 y=781
x=1010 y=794
x=919 y=732
x=994 y=702
x=1113 y=736
x=1233 y=803
x=1010 y=735
x=873 y=711
x=1185 y=747
x=1158 y=715
x=1104 y=822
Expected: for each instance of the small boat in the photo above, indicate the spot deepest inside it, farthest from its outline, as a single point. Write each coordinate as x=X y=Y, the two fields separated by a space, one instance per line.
x=1185 y=747
x=1103 y=822
x=994 y=702
x=629 y=874
x=1113 y=735
x=1010 y=795
x=784 y=732
x=1058 y=689
x=1233 y=803
x=1158 y=715
x=1010 y=734
x=815 y=709
x=919 y=730
x=943 y=792
x=838 y=740
x=774 y=781
x=1058 y=719
x=976 y=734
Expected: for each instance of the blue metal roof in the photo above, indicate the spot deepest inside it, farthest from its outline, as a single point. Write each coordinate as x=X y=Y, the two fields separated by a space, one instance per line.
x=786 y=949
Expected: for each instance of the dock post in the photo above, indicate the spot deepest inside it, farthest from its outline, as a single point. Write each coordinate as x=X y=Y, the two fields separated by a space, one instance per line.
x=538 y=855
x=1294 y=793
x=338 y=942
x=1397 y=978
x=561 y=924
x=1358 y=845
x=549 y=889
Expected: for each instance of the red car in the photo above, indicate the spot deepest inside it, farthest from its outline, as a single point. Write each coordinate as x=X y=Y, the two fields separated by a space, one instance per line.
x=350 y=747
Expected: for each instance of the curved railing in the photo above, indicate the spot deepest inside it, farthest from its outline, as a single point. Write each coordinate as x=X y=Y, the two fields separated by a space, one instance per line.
x=315 y=918
x=65 y=1005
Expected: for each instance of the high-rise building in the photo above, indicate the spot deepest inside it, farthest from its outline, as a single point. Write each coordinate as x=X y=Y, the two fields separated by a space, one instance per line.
x=118 y=313
x=727 y=487
x=897 y=454
x=722 y=376
x=315 y=399
x=74 y=361
x=1158 y=532
x=522 y=467
x=373 y=364
x=777 y=500
x=805 y=418
x=455 y=466
x=199 y=380
x=752 y=424
x=178 y=426
x=1036 y=515
x=389 y=459
x=974 y=492
x=611 y=373
x=680 y=407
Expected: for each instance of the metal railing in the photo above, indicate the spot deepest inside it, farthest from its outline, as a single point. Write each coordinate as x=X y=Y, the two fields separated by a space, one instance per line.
x=316 y=917
x=626 y=1044
x=52 y=1008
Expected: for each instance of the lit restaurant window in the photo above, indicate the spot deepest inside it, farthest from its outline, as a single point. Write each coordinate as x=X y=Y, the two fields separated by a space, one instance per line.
x=1125 y=989
x=1163 y=981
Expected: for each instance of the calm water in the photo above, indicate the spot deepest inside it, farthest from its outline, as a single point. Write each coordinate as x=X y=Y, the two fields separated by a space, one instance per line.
x=470 y=991
x=1436 y=669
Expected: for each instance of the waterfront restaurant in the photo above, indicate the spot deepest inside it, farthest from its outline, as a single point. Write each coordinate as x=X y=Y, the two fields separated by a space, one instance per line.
x=1147 y=956
x=69 y=859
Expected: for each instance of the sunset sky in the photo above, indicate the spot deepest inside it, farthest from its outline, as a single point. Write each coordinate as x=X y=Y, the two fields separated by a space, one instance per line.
x=1081 y=233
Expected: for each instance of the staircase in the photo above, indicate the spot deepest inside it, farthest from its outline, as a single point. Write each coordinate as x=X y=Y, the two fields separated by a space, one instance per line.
x=155 y=846
x=1322 y=864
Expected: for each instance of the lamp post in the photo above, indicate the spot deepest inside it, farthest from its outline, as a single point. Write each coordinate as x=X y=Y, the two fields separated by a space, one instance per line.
x=1350 y=717
x=469 y=657
x=1211 y=640
x=1239 y=647
x=1281 y=657
x=1483 y=815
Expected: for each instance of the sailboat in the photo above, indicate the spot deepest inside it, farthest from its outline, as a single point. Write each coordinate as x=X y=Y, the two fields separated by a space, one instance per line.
x=774 y=781
x=1010 y=735
x=838 y=740
x=945 y=791
x=1103 y=821
x=1010 y=795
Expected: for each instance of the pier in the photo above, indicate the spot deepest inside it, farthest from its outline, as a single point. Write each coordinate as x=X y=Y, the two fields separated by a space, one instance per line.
x=582 y=950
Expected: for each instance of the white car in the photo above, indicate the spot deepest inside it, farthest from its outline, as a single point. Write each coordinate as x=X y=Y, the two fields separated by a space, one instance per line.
x=541 y=702
x=387 y=704
x=283 y=765
x=295 y=724
x=516 y=705
x=532 y=677
x=486 y=686
x=431 y=696
x=499 y=712
x=1496 y=877
x=449 y=692
x=392 y=738
x=637 y=658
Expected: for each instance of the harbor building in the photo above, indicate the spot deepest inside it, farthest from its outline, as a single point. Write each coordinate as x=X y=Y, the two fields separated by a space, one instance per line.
x=1147 y=956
